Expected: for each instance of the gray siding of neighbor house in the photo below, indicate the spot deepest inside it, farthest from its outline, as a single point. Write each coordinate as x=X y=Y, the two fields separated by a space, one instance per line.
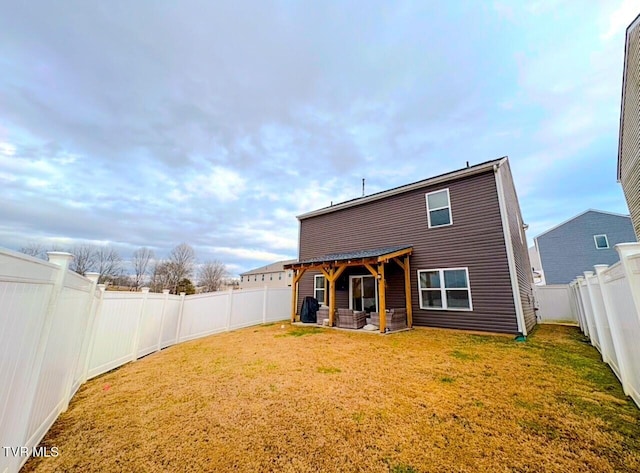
x=519 y=245
x=629 y=146
x=475 y=240
x=569 y=250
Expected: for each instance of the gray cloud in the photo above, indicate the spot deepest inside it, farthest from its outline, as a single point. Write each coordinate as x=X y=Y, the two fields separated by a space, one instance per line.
x=154 y=123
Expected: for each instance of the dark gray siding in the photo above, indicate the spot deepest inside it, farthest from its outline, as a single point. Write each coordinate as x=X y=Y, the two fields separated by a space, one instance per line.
x=629 y=146
x=569 y=250
x=519 y=246
x=475 y=240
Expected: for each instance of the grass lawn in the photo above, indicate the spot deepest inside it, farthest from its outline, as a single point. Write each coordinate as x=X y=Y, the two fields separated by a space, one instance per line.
x=300 y=399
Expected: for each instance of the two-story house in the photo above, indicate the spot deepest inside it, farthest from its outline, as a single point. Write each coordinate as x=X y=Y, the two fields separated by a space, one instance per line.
x=450 y=249
x=578 y=244
x=271 y=275
x=629 y=142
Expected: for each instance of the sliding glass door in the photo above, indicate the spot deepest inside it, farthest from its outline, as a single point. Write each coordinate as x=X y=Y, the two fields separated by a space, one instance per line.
x=363 y=293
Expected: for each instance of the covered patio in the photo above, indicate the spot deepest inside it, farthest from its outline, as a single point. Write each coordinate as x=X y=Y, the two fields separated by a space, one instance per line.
x=332 y=266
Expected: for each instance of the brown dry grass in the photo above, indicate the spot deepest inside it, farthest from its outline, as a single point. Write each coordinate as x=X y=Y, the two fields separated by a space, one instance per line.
x=318 y=400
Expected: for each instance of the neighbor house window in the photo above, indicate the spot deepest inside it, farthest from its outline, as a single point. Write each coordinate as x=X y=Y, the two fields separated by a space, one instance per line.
x=438 y=208
x=279 y=276
x=319 y=288
x=263 y=277
x=601 y=241
x=444 y=289
x=255 y=278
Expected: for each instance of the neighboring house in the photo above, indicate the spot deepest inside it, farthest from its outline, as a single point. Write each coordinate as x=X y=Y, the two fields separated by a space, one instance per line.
x=629 y=143
x=271 y=275
x=450 y=249
x=536 y=267
x=576 y=245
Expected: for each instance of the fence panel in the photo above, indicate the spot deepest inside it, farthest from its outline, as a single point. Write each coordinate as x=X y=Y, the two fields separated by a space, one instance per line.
x=601 y=320
x=149 y=329
x=554 y=303
x=278 y=304
x=204 y=314
x=583 y=292
x=61 y=356
x=246 y=308
x=115 y=331
x=26 y=287
x=170 y=322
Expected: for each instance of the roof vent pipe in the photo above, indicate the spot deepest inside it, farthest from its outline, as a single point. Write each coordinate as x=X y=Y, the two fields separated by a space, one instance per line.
x=363 y=187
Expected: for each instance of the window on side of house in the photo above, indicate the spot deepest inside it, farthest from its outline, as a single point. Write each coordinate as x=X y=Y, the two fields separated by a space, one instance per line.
x=602 y=241
x=319 y=288
x=263 y=277
x=438 y=208
x=444 y=289
x=279 y=276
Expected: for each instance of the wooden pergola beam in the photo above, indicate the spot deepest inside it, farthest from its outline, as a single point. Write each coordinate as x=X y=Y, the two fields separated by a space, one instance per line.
x=395 y=254
x=297 y=274
x=371 y=270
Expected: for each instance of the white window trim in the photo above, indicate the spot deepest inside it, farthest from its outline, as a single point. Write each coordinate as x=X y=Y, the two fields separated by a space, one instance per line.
x=595 y=241
x=351 y=278
x=426 y=198
x=316 y=288
x=443 y=290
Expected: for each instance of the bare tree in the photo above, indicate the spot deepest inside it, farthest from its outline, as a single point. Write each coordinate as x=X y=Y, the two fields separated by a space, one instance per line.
x=180 y=265
x=160 y=276
x=211 y=275
x=108 y=263
x=84 y=259
x=142 y=258
x=34 y=249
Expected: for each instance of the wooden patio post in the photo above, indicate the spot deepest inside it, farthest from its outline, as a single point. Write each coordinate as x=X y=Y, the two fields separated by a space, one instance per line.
x=297 y=274
x=294 y=290
x=382 y=296
x=332 y=296
x=407 y=291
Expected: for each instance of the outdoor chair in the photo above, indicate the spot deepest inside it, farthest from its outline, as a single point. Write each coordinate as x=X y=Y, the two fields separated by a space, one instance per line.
x=396 y=319
x=348 y=318
x=322 y=314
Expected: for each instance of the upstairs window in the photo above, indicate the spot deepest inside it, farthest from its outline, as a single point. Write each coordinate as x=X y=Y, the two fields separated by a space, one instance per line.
x=444 y=289
x=601 y=241
x=438 y=208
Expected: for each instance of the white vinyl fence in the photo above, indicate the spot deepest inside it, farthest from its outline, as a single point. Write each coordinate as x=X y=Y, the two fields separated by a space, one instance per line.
x=608 y=306
x=554 y=303
x=58 y=329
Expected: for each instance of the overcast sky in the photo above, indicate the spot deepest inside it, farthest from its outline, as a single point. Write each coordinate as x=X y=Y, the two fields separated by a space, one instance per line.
x=152 y=123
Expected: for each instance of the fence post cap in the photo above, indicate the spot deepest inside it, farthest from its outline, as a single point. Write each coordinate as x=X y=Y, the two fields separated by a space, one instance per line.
x=92 y=276
x=144 y=289
x=59 y=257
x=165 y=291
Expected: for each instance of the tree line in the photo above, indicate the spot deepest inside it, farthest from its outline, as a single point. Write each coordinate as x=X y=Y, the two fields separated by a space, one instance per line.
x=175 y=272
